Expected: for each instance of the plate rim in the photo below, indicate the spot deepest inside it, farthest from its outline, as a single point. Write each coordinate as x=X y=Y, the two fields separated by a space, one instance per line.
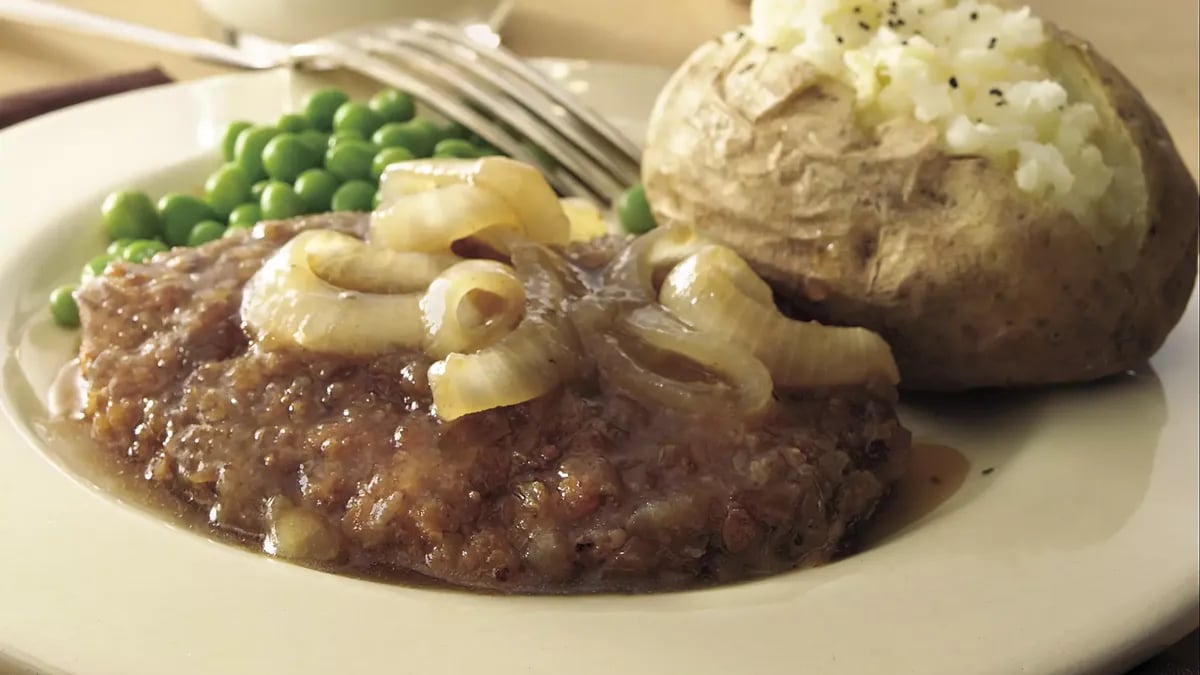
x=1133 y=647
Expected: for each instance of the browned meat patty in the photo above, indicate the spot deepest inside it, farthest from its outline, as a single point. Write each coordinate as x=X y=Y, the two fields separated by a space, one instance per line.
x=581 y=490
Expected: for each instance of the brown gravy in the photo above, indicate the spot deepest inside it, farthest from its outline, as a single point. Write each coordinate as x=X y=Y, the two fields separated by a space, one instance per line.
x=936 y=473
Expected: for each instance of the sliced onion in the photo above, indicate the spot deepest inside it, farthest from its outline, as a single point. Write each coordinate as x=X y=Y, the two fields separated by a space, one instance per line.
x=717 y=293
x=633 y=272
x=525 y=364
x=744 y=382
x=470 y=306
x=433 y=220
x=585 y=218
x=521 y=186
x=298 y=534
x=286 y=304
x=347 y=262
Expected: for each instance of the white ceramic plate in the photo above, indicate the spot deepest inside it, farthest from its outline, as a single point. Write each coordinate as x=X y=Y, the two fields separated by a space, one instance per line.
x=1076 y=553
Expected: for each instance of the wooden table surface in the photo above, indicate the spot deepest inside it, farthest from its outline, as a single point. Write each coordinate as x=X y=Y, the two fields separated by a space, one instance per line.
x=1153 y=41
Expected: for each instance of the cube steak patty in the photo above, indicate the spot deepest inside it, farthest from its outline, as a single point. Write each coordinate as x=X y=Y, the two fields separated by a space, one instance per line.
x=580 y=490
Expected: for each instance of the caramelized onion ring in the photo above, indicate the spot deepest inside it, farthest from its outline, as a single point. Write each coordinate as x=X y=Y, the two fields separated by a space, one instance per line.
x=470 y=306
x=347 y=262
x=634 y=270
x=744 y=380
x=525 y=364
x=585 y=218
x=286 y=303
x=431 y=221
x=522 y=187
x=717 y=293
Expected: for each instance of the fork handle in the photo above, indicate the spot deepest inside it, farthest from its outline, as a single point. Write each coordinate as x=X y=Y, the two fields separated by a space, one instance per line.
x=52 y=15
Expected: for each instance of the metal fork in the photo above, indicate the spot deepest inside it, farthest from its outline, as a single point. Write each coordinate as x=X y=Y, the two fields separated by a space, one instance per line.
x=483 y=87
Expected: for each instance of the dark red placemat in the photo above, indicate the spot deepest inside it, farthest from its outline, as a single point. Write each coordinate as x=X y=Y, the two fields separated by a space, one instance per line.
x=23 y=105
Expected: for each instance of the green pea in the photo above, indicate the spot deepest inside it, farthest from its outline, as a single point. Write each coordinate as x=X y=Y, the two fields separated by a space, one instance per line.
x=387 y=157
x=280 y=201
x=634 y=211
x=248 y=150
x=355 y=195
x=317 y=141
x=316 y=188
x=351 y=116
x=117 y=246
x=204 y=232
x=129 y=214
x=96 y=266
x=229 y=139
x=350 y=160
x=286 y=156
x=246 y=215
x=321 y=106
x=456 y=130
x=227 y=187
x=291 y=123
x=347 y=135
x=418 y=135
x=142 y=250
x=179 y=213
x=256 y=190
x=455 y=147
x=393 y=105
x=63 y=308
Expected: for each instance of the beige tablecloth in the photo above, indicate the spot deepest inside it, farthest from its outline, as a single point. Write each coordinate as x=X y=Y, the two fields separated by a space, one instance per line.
x=1153 y=41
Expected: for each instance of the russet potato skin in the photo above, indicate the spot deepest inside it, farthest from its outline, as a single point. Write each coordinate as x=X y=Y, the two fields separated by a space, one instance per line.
x=973 y=282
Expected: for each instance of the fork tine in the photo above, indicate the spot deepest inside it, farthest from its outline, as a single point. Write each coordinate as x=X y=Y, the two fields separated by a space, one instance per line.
x=570 y=157
x=447 y=106
x=501 y=57
x=615 y=161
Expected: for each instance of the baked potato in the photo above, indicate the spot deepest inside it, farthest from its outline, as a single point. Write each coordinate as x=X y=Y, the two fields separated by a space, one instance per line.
x=861 y=213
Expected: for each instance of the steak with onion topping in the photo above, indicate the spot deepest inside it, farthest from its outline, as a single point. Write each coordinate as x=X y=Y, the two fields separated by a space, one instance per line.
x=338 y=460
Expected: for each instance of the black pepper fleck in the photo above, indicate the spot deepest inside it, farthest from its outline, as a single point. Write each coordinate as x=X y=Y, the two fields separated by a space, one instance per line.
x=992 y=43
x=863 y=25
x=974 y=16
x=840 y=40
x=1001 y=103
x=987 y=471
x=954 y=83
x=995 y=92
x=858 y=10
